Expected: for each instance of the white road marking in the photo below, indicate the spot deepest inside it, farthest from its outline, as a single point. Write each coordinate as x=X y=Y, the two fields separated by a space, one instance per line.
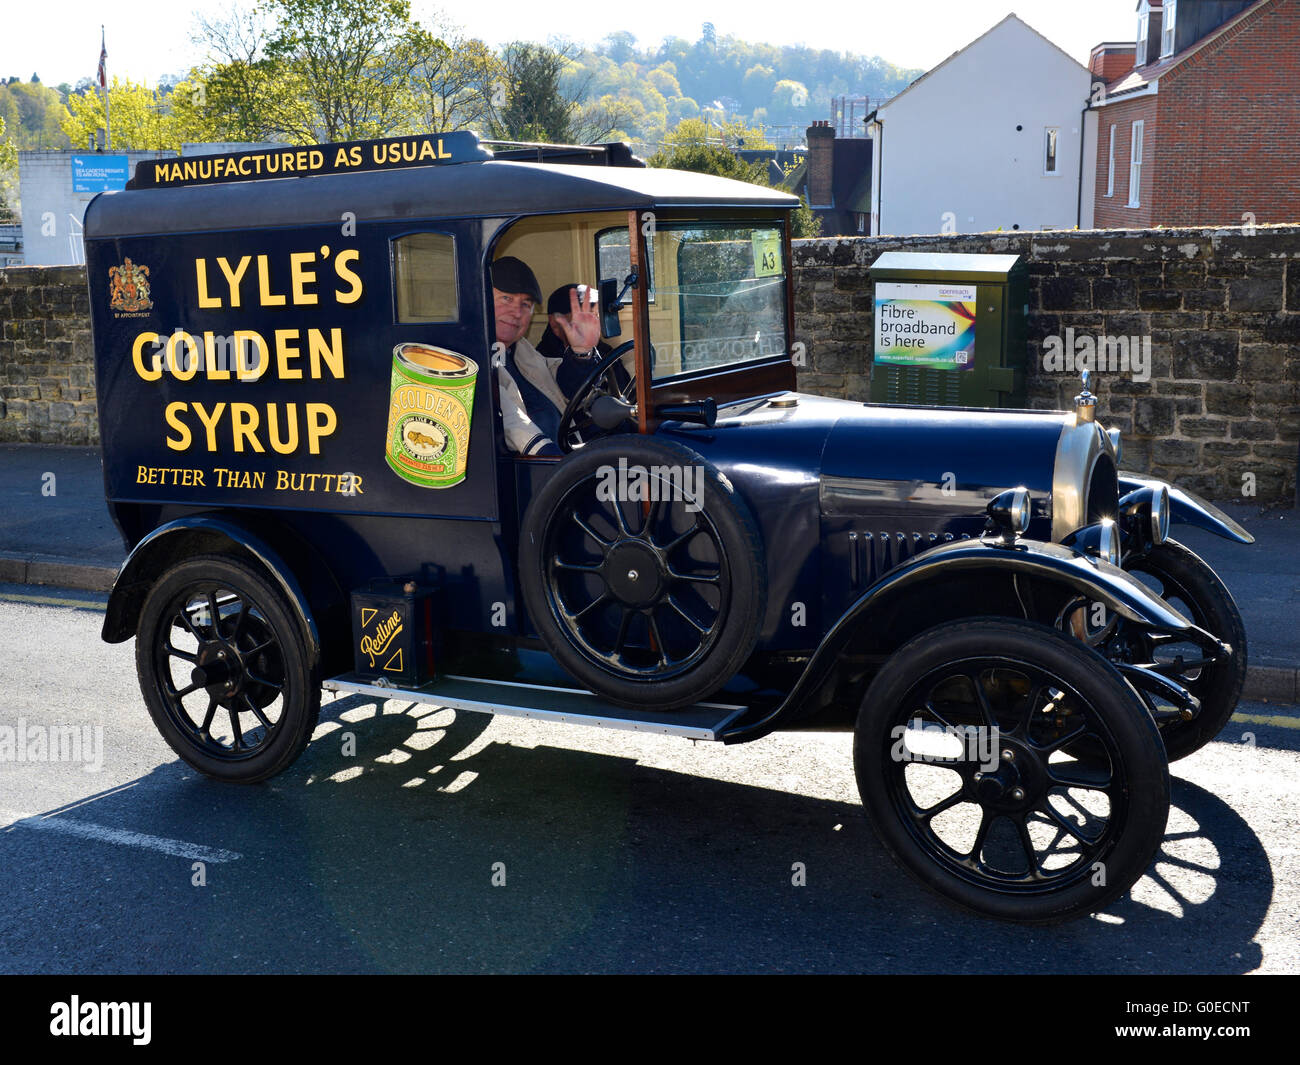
x=88 y=830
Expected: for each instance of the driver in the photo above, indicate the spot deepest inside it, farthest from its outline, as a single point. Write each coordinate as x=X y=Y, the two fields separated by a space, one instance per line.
x=532 y=400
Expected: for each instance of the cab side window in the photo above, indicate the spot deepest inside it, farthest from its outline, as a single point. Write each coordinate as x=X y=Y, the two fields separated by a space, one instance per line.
x=424 y=277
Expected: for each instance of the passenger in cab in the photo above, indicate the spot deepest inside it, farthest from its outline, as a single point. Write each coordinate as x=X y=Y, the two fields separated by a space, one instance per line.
x=534 y=386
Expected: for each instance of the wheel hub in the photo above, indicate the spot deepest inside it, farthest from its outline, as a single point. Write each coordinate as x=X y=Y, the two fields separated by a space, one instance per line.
x=1017 y=783
x=635 y=573
x=219 y=669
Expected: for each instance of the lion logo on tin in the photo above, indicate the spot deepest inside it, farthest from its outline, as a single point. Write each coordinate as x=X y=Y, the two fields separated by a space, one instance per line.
x=128 y=287
x=423 y=440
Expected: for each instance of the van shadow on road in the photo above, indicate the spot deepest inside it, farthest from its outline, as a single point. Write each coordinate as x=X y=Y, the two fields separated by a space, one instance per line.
x=601 y=864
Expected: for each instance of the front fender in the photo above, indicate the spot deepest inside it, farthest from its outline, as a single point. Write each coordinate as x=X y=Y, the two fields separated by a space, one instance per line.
x=1189 y=508
x=186 y=537
x=1092 y=578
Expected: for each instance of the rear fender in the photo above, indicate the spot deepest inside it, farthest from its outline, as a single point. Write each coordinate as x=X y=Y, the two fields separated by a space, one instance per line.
x=198 y=535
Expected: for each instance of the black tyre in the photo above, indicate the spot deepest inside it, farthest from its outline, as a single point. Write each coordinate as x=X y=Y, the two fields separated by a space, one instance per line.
x=648 y=602
x=1182 y=578
x=225 y=671
x=961 y=764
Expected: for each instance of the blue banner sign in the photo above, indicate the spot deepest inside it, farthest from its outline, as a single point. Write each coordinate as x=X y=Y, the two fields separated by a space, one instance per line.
x=99 y=173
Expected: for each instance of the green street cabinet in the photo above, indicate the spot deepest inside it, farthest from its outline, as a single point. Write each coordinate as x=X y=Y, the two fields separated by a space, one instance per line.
x=949 y=330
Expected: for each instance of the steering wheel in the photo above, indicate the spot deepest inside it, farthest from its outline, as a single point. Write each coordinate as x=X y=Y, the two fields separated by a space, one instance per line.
x=582 y=396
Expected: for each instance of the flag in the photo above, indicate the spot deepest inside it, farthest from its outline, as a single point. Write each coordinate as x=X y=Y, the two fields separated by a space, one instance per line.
x=103 y=61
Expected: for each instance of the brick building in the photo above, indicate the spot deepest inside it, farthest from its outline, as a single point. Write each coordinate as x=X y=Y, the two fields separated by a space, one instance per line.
x=1199 y=121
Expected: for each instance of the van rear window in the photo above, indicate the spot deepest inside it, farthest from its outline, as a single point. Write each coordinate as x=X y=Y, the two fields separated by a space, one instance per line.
x=424 y=277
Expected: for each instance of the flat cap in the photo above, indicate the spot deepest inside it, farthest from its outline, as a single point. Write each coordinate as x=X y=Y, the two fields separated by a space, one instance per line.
x=513 y=275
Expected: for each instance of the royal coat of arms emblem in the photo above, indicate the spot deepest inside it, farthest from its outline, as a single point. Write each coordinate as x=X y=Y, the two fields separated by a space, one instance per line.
x=128 y=287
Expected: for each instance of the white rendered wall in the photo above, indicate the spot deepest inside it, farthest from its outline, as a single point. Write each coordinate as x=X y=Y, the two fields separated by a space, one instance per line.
x=52 y=212
x=950 y=149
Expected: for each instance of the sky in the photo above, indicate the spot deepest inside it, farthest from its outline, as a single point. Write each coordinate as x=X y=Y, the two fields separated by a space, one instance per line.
x=148 y=39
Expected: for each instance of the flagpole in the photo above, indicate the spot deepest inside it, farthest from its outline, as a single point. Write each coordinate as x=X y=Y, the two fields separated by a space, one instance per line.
x=108 y=125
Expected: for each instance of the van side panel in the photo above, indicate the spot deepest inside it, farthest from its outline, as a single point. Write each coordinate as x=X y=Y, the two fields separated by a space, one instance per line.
x=251 y=374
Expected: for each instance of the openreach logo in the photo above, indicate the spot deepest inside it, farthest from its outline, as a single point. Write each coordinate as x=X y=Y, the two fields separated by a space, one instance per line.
x=651 y=484
x=1075 y=353
x=75 y=1017
x=22 y=742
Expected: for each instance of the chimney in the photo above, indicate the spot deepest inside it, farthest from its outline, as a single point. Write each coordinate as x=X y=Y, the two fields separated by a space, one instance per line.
x=821 y=164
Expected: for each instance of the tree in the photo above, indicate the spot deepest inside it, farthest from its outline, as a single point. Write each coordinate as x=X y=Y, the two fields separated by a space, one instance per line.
x=33 y=113
x=347 y=64
x=728 y=133
x=756 y=86
x=533 y=109
x=8 y=153
x=142 y=118
x=704 y=158
x=665 y=81
x=537 y=107
x=707 y=159
x=620 y=46
x=452 y=84
x=241 y=90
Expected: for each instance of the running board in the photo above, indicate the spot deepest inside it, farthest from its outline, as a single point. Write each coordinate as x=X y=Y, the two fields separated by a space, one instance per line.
x=569 y=706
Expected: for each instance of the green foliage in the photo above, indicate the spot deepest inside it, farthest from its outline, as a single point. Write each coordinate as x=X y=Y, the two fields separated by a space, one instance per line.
x=8 y=171
x=345 y=64
x=452 y=85
x=304 y=71
x=142 y=118
x=32 y=113
x=241 y=91
x=707 y=159
x=692 y=152
x=729 y=133
x=757 y=84
x=541 y=99
x=535 y=108
x=8 y=153
x=803 y=222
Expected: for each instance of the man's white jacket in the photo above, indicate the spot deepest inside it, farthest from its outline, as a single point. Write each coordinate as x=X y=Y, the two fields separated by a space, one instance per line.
x=522 y=435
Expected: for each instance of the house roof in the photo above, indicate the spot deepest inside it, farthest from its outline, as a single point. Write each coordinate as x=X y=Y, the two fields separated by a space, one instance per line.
x=1140 y=78
x=859 y=198
x=935 y=69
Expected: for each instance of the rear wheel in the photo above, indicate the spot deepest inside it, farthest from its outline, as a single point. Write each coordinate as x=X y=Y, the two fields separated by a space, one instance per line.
x=962 y=764
x=224 y=670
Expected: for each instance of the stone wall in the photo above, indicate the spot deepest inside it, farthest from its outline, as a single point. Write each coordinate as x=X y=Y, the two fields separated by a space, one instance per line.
x=47 y=374
x=1221 y=309
x=1220 y=413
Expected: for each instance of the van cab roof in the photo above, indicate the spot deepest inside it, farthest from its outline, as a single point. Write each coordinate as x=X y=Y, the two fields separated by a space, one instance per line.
x=473 y=189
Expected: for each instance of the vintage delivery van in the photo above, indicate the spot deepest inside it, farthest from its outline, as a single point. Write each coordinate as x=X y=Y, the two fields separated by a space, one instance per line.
x=302 y=406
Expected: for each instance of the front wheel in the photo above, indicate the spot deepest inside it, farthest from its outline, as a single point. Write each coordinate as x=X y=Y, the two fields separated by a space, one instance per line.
x=1184 y=580
x=961 y=760
x=225 y=671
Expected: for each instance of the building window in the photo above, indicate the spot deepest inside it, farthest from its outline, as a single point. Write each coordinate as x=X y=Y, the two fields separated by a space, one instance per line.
x=1049 y=150
x=1110 y=166
x=1144 y=22
x=1167 y=28
x=1135 y=166
x=424 y=275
